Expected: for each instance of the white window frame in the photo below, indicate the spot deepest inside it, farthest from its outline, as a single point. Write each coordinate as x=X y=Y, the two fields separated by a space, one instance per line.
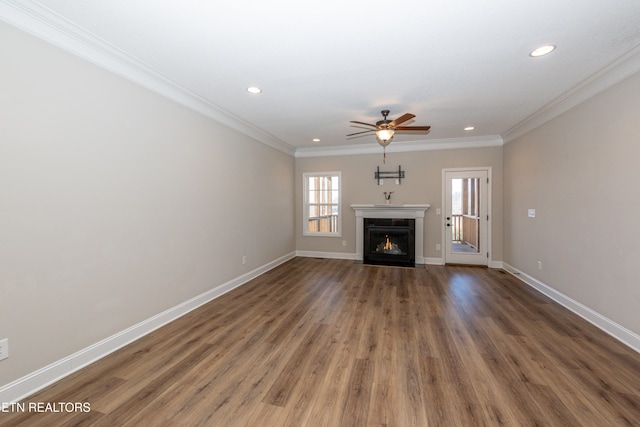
x=305 y=207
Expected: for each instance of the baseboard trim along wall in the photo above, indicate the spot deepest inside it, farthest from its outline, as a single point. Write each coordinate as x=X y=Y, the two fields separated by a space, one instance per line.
x=344 y=255
x=330 y=255
x=617 y=331
x=352 y=256
x=31 y=383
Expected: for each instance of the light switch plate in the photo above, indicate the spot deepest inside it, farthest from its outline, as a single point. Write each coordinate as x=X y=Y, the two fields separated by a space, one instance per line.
x=4 y=348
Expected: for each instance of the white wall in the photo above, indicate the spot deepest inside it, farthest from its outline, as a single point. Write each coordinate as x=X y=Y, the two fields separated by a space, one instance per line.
x=117 y=204
x=580 y=172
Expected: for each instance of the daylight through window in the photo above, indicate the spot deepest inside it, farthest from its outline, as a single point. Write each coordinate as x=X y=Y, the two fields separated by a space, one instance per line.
x=322 y=204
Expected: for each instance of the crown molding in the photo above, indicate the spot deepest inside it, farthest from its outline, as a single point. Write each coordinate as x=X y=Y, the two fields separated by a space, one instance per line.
x=35 y=19
x=402 y=146
x=47 y=25
x=618 y=70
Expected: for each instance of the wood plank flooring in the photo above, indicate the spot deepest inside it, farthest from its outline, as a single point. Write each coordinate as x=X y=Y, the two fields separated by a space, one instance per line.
x=332 y=343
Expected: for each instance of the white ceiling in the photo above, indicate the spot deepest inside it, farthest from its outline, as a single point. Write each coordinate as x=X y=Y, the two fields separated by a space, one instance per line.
x=322 y=63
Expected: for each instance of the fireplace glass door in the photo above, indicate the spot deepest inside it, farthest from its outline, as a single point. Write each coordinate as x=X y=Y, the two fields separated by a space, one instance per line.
x=390 y=243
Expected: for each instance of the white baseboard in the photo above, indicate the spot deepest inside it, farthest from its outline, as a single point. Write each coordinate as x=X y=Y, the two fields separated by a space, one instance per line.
x=331 y=255
x=617 y=331
x=345 y=255
x=29 y=384
x=440 y=261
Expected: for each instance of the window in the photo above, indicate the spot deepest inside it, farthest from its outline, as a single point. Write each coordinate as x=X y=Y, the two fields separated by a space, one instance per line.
x=322 y=204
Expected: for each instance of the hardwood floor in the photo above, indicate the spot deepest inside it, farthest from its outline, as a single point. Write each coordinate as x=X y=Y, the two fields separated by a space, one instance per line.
x=332 y=343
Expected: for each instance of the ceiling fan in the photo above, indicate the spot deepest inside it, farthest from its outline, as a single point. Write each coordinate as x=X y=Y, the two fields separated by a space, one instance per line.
x=385 y=128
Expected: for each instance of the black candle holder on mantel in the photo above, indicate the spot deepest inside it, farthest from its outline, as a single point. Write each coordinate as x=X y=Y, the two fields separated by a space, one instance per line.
x=380 y=175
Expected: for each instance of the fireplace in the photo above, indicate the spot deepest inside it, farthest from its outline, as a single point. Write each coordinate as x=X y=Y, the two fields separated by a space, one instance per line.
x=389 y=241
x=392 y=212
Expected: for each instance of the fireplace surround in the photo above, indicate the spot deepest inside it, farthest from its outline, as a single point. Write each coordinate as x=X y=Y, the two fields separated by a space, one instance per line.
x=392 y=212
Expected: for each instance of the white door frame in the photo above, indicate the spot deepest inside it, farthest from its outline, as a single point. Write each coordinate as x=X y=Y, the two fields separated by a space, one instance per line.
x=443 y=227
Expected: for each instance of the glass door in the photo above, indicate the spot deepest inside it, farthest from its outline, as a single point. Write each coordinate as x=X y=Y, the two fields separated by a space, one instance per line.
x=466 y=216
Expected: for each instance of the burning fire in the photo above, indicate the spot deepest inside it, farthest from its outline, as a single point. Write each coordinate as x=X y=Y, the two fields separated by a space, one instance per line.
x=388 y=245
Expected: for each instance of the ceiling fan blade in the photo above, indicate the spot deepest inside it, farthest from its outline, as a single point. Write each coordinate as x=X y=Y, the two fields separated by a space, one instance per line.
x=363 y=123
x=403 y=118
x=413 y=127
x=358 y=133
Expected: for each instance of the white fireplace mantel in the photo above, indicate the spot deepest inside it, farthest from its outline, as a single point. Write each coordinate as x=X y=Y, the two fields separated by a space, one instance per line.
x=391 y=211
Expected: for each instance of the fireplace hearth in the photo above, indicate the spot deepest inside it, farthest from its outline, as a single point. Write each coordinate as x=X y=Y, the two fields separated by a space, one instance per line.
x=389 y=241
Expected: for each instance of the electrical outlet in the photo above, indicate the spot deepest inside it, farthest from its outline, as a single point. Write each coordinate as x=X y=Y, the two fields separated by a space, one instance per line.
x=4 y=348
x=244 y=260
x=437 y=246
x=344 y=243
x=540 y=265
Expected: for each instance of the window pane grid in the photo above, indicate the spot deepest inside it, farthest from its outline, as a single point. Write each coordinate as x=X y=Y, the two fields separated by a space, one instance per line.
x=322 y=199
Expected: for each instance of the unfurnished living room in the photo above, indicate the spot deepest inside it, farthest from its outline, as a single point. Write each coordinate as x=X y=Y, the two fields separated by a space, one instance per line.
x=319 y=213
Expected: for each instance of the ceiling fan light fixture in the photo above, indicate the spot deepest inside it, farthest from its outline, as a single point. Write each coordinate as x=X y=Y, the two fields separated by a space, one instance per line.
x=385 y=128
x=384 y=135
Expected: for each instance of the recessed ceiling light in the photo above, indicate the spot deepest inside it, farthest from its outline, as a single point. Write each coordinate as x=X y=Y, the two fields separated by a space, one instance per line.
x=542 y=50
x=316 y=139
x=254 y=89
x=469 y=128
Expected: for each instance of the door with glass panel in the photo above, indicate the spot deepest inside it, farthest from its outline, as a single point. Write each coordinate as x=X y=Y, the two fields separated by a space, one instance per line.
x=466 y=218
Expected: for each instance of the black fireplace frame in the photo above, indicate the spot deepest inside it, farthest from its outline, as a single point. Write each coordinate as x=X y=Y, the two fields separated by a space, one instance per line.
x=398 y=226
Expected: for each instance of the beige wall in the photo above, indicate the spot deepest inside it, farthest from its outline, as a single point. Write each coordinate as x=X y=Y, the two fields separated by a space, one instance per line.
x=580 y=172
x=423 y=184
x=116 y=203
